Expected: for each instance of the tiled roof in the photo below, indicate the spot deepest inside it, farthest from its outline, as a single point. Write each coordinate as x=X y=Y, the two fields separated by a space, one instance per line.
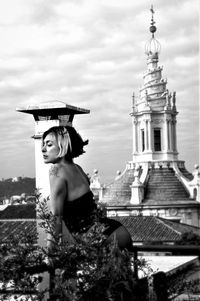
x=17 y=220
x=27 y=211
x=180 y=227
x=163 y=187
x=142 y=228
x=154 y=229
x=16 y=228
x=119 y=192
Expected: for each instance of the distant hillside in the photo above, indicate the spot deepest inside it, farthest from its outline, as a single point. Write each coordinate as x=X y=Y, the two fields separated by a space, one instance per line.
x=23 y=185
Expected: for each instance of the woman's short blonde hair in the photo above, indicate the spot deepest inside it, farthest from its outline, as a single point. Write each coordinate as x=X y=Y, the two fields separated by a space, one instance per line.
x=69 y=141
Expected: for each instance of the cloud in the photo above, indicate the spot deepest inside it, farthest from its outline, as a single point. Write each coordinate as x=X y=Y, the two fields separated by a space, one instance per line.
x=91 y=54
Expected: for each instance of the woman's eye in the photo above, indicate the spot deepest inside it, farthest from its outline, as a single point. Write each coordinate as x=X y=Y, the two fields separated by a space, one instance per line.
x=49 y=144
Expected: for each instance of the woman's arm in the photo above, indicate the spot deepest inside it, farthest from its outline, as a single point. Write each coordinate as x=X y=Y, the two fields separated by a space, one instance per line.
x=58 y=195
x=58 y=191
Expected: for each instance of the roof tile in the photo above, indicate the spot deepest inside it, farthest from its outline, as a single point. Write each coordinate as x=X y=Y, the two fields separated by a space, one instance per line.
x=26 y=211
x=154 y=229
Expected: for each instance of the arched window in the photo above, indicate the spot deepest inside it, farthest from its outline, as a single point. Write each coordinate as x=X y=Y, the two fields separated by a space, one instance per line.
x=157 y=139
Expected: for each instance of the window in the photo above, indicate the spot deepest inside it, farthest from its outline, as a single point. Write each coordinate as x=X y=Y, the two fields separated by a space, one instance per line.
x=142 y=135
x=195 y=193
x=157 y=139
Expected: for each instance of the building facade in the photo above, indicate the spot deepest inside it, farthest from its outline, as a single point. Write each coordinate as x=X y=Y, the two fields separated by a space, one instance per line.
x=155 y=182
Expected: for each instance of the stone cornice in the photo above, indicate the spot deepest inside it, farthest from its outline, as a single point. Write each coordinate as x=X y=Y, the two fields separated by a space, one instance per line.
x=158 y=206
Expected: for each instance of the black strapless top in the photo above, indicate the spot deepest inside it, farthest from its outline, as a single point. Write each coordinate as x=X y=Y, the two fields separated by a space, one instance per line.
x=80 y=214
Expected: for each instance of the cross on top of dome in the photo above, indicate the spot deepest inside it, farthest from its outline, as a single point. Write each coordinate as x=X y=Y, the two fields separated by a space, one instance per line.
x=152 y=47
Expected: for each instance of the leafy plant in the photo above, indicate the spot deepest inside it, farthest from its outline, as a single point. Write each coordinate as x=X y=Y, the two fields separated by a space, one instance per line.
x=86 y=269
x=189 y=238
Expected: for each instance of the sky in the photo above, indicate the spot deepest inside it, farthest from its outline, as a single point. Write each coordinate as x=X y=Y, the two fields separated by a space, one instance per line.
x=90 y=54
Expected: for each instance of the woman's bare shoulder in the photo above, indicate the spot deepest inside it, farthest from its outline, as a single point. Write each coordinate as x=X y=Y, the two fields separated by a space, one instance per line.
x=83 y=173
x=57 y=177
x=54 y=171
x=58 y=172
x=79 y=167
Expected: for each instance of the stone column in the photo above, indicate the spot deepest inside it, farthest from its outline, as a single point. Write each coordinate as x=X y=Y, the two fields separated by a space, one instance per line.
x=146 y=136
x=135 y=148
x=174 y=132
x=138 y=136
x=170 y=136
x=165 y=135
x=150 y=135
x=167 y=139
x=173 y=135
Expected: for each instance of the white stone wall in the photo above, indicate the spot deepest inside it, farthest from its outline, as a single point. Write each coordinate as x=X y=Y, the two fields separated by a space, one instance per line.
x=189 y=216
x=42 y=169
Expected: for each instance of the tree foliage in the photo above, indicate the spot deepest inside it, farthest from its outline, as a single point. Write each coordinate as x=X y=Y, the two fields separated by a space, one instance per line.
x=84 y=270
x=189 y=238
x=9 y=188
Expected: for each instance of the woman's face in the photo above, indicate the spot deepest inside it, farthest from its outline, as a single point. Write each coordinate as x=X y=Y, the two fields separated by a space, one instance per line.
x=50 y=149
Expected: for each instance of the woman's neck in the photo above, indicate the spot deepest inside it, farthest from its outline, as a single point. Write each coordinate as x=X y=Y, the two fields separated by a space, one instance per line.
x=65 y=161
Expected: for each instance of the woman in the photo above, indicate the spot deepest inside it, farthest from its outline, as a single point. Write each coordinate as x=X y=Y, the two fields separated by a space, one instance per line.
x=71 y=200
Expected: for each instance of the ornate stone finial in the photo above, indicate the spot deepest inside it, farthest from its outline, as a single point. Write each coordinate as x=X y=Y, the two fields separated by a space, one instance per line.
x=196 y=173
x=118 y=174
x=134 y=106
x=152 y=47
x=136 y=176
x=152 y=28
x=146 y=96
x=174 y=101
x=95 y=181
x=137 y=188
x=168 y=100
x=133 y=99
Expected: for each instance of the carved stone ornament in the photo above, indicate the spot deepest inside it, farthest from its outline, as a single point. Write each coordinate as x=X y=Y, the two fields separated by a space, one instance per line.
x=174 y=121
x=157 y=121
x=173 y=211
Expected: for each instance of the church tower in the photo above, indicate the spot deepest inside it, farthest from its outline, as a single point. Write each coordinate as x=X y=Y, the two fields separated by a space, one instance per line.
x=154 y=111
x=155 y=181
